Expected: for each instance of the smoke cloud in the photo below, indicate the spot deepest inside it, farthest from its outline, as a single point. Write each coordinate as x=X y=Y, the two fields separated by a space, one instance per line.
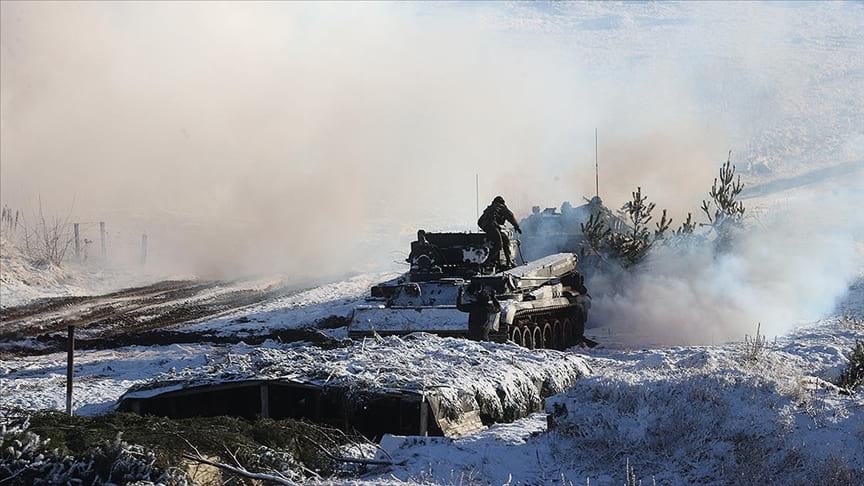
x=316 y=138
x=288 y=136
x=790 y=265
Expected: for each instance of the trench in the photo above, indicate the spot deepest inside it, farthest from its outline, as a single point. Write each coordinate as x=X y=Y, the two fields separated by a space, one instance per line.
x=365 y=389
x=398 y=412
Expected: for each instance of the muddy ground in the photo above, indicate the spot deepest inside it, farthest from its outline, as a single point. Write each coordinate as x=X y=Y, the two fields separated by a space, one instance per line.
x=153 y=314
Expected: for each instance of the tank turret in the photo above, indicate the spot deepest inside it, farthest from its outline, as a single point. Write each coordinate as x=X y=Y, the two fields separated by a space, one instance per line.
x=553 y=231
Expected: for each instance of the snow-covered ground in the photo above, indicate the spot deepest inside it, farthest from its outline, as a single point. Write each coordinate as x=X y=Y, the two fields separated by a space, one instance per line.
x=299 y=310
x=681 y=415
x=101 y=376
x=23 y=281
x=501 y=376
x=684 y=415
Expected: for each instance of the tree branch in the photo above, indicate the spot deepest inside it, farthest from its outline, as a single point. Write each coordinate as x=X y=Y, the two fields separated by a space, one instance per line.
x=240 y=471
x=356 y=460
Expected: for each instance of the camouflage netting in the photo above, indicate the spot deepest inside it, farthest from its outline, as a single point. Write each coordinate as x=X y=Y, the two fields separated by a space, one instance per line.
x=502 y=381
x=52 y=448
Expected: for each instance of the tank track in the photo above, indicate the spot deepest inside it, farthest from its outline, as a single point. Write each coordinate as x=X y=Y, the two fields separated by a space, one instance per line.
x=557 y=327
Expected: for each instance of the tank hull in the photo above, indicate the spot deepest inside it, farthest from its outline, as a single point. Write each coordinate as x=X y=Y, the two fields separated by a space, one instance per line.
x=542 y=304
x=383 y=320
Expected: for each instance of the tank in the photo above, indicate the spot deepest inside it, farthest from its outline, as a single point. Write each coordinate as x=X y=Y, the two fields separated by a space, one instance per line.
x=550 y=230
x=453 y=288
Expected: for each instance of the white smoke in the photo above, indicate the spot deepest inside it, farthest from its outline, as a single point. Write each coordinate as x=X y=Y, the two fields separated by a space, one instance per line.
x=257 y=136
x=314 y=138
x=790 y=265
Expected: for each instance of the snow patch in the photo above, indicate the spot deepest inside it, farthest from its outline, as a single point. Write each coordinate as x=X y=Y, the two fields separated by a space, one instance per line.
x=302 y=309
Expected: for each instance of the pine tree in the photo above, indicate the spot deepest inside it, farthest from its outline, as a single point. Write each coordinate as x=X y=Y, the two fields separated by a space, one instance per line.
x=853 y=376
x=632 y=246
x=725 y=213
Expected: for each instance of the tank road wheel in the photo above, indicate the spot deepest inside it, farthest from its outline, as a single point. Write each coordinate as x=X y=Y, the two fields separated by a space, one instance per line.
x=537 y=337
x=527 y=338
x=575 y=326
x=580 y=315
x=558 y=331
x=548 y=337
x=516 y=336
x=567 y=334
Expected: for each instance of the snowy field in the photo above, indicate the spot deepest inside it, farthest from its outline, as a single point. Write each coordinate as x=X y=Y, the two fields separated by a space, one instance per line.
x=727 y=413
x=304 y=309
x=22 y=283
x=675 y=415
x=680 y=415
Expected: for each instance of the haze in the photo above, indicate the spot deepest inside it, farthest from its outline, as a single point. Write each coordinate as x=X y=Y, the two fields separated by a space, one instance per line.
x=315 y=138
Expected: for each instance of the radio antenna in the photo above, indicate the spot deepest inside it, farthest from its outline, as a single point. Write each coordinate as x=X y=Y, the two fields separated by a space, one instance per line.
x=477 y=193
x=596 y=167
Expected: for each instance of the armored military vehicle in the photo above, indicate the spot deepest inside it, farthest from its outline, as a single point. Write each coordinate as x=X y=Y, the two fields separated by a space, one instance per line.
x=550 y=230
x=455 y=288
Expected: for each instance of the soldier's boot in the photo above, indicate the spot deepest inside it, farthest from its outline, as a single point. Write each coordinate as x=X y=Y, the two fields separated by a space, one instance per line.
x=509 y=258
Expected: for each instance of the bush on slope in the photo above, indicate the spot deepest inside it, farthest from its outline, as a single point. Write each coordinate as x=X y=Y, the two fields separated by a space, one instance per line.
x=853 y=376
x=712 y=415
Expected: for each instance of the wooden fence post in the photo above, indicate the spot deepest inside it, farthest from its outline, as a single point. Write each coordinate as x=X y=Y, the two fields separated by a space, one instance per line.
x=77 y=244
x=102 y=237
x=70 y=362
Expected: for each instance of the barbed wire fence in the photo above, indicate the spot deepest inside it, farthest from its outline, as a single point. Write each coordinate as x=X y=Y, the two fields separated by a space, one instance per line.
x=59 y=240
x=98 y=241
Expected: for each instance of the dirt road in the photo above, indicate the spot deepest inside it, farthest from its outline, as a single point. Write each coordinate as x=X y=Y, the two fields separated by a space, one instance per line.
x=141 y=315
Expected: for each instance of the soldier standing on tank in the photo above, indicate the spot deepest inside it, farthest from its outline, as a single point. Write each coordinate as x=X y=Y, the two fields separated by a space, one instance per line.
x=491 y=221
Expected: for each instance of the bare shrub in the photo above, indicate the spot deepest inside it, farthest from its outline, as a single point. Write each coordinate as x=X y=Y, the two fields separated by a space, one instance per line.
x=9 y=220
x=755 y=347
x=836 y=471
x=630 y=478
x=48 y=239
x=849 y=321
